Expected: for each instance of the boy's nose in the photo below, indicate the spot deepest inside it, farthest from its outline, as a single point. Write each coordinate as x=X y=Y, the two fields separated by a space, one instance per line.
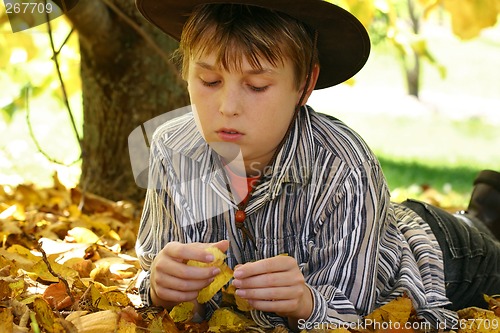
x=230 y=102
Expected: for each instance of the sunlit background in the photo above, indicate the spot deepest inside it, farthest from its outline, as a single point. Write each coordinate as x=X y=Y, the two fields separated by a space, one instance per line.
x=439 y=140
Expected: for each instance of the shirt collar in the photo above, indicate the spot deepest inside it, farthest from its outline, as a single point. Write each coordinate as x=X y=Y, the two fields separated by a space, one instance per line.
x=293 y=163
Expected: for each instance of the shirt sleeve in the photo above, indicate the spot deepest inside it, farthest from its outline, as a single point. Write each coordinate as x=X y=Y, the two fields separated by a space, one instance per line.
x=342 y=268
x=157 y=226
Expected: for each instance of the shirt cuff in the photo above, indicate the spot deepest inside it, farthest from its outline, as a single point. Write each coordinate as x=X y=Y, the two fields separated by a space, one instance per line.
x=144 y=286
x=318 y=314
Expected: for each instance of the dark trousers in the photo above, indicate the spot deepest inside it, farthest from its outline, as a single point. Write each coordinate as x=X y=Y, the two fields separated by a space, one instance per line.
x=471 y=257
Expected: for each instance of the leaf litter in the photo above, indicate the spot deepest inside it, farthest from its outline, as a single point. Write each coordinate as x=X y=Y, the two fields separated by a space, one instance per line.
x=68 y=265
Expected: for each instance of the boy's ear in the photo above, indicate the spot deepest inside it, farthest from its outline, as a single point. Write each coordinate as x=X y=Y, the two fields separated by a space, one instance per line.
x=312 y=83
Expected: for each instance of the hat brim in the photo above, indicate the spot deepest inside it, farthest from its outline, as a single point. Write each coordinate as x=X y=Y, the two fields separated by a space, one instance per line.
x=343 y=43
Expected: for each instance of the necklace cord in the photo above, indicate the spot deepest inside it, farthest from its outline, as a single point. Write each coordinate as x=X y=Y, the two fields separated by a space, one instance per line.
x=244 y=203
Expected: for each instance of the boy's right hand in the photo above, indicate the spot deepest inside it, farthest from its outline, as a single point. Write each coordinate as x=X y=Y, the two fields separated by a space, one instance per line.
x=173 y=281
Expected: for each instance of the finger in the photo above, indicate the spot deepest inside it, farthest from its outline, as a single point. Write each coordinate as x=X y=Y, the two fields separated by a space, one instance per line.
x=269 y=265
x=176 y=296
x=269 y=294
x=277 y=279
x=185 y=252
x=222 y=245
x=180 y=284
x=281 y=307
x=182 y=271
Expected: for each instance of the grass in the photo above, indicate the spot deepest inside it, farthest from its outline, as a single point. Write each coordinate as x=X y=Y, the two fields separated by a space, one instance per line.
x=404 y=173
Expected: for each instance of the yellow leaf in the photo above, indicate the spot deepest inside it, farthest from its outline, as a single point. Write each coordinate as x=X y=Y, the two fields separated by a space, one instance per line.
x=397 y=310
x=83 y=235
x=107 y=298
x=46 y=318
x=103 y=288
x=99 y=300
x=162 y=323
x=220 y=281
x=126 y=327
x=17 y=286
x=155 y=325
x=493 y=303
x=6 y=320
x=4 y=262
x=363 y=10
x=241 y=303
x=103 y=274
x=182 y=312
x=74 y=211
x=8 y=228
x=477 y=320
x=24 y=252
x=469 y=17
x=40 y=270
x=117 y=298
x=5 y=291
x=228 y=319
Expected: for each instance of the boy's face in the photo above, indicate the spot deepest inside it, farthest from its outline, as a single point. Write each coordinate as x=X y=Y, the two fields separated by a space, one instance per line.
x=250 y=108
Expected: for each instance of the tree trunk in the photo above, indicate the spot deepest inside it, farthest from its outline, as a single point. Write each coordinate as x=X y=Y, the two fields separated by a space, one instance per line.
x=413 y=65
x=125 y=82
x=413 y=76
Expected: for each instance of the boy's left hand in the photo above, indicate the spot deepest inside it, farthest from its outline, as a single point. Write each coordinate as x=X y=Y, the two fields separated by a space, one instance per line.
x=275 y=285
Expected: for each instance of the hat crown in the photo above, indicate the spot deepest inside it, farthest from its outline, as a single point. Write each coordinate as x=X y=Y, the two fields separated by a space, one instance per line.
x=343 y=43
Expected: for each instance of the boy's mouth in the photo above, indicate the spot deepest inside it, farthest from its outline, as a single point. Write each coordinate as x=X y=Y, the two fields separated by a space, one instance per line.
x=228 y=131
x=229 y=134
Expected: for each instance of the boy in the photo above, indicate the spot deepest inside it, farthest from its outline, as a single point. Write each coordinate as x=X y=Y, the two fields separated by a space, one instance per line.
x=257 y=173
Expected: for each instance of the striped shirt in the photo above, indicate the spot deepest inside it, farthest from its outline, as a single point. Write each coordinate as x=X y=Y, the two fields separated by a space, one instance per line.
x=323 y=201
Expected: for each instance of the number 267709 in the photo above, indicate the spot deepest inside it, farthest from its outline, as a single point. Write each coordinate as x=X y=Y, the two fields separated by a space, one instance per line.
x=28 y=8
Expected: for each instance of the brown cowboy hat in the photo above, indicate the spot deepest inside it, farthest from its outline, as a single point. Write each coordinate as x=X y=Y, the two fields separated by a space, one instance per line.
x=343 y=43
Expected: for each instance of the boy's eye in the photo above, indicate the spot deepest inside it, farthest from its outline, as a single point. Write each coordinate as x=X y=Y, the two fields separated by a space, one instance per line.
x=258 y=89
x=210 y=83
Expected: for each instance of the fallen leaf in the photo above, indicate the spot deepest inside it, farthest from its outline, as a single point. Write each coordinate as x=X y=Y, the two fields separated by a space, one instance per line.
x=46 y=318
x=396 y=311
x=241 y=303
x=101 y=273
x=102 y=322
x=57 y=296
x=228 y=319
x=41 y=271
x=11 y=287
x=83 y=235
x=117 y=298
x=126 y=327
x=477 y=320
x=6 y=320
x=80 y=265
x=24 y=252
x=162 y=322
x=182 y=312
x=8 y=266
x=493 y=303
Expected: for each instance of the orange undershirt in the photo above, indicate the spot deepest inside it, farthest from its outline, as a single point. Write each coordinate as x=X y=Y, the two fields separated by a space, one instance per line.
x=241 y=186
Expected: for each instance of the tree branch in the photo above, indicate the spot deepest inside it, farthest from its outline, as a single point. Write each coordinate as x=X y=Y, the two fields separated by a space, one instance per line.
x=89 y=17
x=147 y=38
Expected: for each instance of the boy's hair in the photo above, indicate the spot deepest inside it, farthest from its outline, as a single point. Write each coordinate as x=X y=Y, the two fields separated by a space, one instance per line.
x=233 y=31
